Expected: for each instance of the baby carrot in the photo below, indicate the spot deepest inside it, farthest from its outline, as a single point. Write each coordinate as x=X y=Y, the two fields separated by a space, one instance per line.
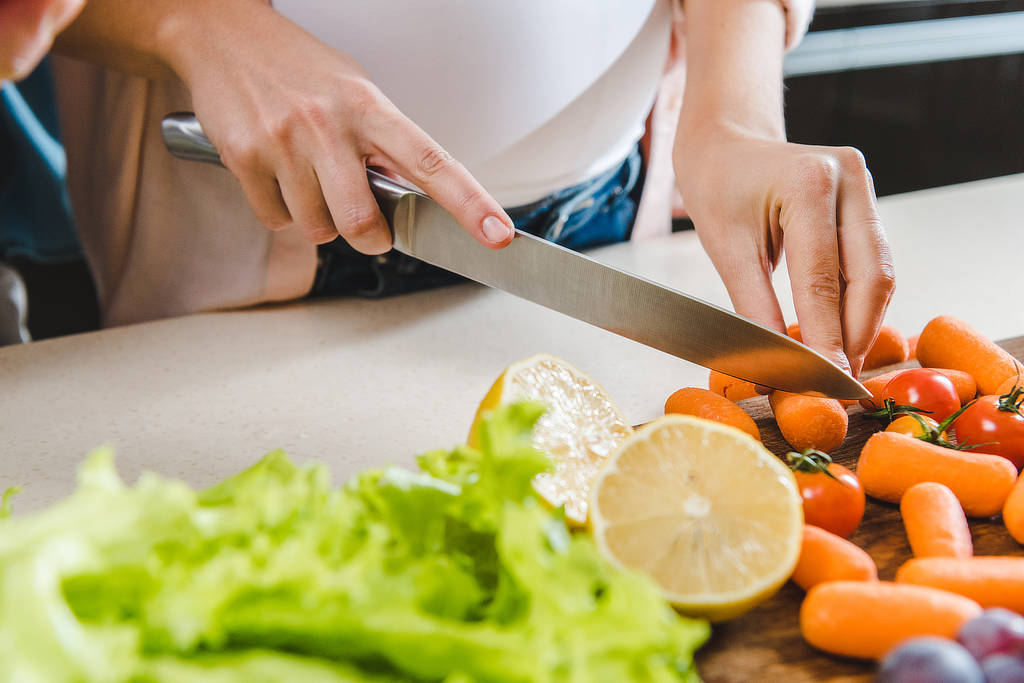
x=824 y=556
x=1013 y=511
x=730 y=387
x=867 y=618
x=808 y=421
x=890 y=463
x=1008 y=385
x=935 y=523
x=991 y=581
x=890 y=346
x=710 y=406
x=966 y=387
x=947 y=342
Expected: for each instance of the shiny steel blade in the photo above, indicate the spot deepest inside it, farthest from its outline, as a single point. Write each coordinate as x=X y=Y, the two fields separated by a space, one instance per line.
x=628 y=305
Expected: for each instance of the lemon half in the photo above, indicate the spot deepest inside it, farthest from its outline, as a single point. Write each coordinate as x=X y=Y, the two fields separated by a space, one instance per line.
x=704 y=509
x=579 y=430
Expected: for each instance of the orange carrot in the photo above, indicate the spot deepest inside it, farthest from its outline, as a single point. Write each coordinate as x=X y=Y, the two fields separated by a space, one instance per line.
x=966 y=387
x=912 y=346
x=730 y=387
x=867 y=618
x=711 y=406
x=794 y=332
x=1011 y=382
x=890 y=346
x=890 y=463
x=947 y=342
x=824 y=556
x=991 y=581
x=808 y=421
x=1013 y=511
x=935 y=523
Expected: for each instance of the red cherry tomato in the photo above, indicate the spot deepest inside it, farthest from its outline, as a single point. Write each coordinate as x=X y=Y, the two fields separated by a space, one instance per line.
x=926 y=389
x=996 y=424
x=833 y=496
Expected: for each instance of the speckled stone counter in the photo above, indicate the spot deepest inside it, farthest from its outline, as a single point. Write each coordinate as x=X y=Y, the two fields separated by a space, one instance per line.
x=359 y=383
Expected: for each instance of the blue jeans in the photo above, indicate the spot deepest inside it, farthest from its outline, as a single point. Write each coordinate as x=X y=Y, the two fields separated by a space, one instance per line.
x=597 y=212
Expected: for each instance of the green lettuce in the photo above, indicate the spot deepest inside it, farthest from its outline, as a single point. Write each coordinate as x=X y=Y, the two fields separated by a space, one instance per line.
x=456 y=572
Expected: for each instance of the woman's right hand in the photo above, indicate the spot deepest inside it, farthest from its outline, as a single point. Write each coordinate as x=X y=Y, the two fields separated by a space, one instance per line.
x=298 y=122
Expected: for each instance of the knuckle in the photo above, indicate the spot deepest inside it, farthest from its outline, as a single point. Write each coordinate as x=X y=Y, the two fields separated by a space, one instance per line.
x=433 y=159
x=823 y=285
x=470 y=198
x=852 y=159
x=358 y=221
x=239 y=154
x=818 y=173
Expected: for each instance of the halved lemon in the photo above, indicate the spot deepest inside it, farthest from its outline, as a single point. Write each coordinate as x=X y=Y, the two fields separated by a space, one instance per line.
x=704 y=509
x=579 y=430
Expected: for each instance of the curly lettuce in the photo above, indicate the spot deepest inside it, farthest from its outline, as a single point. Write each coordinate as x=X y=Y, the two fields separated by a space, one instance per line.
x=456 y=572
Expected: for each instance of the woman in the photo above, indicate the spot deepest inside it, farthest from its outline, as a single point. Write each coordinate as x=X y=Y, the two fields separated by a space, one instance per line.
x=533 y=106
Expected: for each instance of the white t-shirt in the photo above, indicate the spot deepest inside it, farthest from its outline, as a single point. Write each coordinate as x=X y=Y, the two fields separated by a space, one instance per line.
x=531 y=95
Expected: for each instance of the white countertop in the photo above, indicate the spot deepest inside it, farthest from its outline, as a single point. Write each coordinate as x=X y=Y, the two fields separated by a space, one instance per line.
x=358 y=383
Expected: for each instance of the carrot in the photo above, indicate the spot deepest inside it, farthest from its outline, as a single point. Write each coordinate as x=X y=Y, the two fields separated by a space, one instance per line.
x=730 y=387
x=824 y=556
x=991 y=581
x=1013 y=511
x=966 y=387
x=1008 y=385
x=809 y=421
x=867 y=618
x=890 y=463
x=711 y=406
x=912 y=347
x=947 y=342
x=890 y=346
x=935 y=523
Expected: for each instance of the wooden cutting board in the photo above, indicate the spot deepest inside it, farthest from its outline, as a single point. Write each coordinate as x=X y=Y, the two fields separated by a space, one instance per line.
x=765 y=644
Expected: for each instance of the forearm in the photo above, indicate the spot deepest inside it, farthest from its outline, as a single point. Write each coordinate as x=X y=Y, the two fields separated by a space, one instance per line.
x=154 y=38
x=734 y=51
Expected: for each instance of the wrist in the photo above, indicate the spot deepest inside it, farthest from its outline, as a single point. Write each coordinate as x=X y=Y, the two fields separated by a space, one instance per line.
x=194 y=34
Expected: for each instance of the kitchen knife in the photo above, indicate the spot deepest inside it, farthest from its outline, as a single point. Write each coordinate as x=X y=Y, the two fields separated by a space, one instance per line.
x=578 y=286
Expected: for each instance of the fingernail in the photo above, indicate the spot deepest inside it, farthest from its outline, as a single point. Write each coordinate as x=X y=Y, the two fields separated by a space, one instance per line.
x=495 y=229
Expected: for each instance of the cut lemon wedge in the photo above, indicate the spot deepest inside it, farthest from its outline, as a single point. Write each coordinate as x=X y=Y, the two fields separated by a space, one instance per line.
x=579 y=430
x=704 y=509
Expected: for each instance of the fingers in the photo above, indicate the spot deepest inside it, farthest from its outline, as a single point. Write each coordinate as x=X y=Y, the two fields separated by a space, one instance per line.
x=353 y=209
x=865 y=257
x=264 y=195
x=304 y=198
x=747 y=278
x=421 y=160
x=808 y=222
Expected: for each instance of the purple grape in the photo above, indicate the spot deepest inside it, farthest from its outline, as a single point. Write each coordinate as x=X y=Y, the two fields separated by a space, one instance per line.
x=994 y=630
x=1001 y=668
x=929 y=659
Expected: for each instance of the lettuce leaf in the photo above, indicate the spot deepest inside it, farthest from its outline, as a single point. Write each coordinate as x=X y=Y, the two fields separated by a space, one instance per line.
x=456 y=572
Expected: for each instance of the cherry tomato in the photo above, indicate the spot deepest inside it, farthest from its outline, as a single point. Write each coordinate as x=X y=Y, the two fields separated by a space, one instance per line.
x=926 y=389
x=833 y=496
x=909 y=425
x=996 y=424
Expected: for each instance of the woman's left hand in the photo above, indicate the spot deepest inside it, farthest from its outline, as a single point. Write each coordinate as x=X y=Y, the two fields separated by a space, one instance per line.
x=750 y=197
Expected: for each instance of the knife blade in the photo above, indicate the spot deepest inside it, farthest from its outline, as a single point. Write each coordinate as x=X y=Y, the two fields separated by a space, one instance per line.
x=578 y=286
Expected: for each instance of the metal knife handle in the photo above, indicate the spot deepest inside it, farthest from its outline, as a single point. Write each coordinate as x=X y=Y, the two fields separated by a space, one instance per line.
x=185 y=139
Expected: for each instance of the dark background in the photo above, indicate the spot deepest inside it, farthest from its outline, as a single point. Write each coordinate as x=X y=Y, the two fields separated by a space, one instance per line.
x=919 y=125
